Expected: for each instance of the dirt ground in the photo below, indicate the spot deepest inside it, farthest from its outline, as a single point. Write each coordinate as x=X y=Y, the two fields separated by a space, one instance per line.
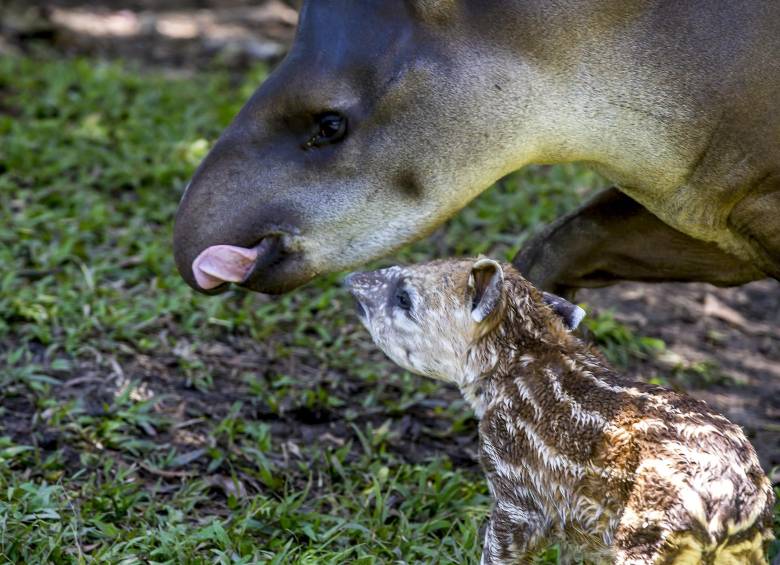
x=723 y=345
x=732 y=335
x=179 y=35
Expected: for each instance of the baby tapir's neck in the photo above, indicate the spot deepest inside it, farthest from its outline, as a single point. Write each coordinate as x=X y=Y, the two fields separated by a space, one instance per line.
x=547 y=422
x=564 y=392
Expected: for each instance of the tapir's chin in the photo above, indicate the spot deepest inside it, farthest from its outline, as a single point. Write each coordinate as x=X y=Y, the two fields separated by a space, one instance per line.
x=288 y=273
x=267 y=267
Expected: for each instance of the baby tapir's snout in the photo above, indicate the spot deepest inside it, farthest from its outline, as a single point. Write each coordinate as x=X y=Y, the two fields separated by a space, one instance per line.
x=370 y=289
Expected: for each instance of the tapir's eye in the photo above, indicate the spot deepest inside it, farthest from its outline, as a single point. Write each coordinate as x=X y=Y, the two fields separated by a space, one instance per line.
x=402 y=299
x=331 y=127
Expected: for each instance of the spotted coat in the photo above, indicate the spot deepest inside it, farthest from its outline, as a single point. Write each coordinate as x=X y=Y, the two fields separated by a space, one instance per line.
x=613 y=470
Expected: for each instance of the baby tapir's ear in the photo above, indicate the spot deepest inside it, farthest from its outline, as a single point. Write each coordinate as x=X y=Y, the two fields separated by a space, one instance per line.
x=486 y=283
x=571 y=314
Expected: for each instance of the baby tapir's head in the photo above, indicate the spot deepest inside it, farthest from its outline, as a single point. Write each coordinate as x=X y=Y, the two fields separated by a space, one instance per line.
x=449 y=319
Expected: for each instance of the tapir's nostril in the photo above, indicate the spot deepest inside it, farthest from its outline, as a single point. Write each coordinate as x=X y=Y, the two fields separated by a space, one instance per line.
x=349 y=283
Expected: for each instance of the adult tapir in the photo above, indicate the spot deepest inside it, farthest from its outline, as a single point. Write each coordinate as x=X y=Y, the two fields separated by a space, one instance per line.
x=389 y=116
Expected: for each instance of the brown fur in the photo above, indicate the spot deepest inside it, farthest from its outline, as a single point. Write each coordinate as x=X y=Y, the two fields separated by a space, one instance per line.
x=618 y=471
x=676 y=103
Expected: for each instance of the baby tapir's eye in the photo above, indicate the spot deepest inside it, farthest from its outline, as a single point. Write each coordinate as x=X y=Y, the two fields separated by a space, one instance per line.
x=402 y=300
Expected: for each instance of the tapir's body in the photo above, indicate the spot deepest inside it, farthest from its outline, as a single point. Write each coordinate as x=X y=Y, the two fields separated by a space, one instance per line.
x=387 y=117
x=574 y=453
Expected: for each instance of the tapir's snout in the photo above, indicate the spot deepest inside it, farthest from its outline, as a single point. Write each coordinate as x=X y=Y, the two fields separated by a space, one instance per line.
x=370 y=289
x=239 y=220
x=267 y=267
x=251 y=243
x=352 y=283
x=365 y=286
x=362 y=288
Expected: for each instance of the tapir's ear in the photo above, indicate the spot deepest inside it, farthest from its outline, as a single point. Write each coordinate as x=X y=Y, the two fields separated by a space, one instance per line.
x=486 y=282
x=571 y=314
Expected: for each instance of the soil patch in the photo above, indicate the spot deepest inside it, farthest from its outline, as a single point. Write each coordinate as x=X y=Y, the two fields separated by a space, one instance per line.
x=174 y=34
x=723 y=346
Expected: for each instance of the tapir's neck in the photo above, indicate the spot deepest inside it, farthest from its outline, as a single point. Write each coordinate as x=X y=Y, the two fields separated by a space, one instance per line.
x=601 y=97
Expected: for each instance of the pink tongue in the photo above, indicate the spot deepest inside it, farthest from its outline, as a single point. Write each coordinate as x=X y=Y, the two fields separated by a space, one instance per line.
x=222 y=263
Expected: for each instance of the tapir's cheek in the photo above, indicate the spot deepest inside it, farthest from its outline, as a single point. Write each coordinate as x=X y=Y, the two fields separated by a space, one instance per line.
x=403 y=322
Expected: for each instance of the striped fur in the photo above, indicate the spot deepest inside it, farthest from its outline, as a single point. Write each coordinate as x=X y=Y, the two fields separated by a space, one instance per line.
x=616 y=471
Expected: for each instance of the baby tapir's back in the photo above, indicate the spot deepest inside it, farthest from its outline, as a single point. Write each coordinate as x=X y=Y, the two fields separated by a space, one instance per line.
x=698 y=483
x=623 y=471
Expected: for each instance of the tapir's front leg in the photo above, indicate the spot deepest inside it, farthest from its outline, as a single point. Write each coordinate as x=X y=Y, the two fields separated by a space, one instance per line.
x=514 y=534
x=614 y=238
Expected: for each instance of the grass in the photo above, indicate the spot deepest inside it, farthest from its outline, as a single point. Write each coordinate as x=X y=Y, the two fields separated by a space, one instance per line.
x=141 y=423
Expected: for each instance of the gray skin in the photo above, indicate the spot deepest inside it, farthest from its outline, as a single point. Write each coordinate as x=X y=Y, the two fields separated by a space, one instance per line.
x=678 y=103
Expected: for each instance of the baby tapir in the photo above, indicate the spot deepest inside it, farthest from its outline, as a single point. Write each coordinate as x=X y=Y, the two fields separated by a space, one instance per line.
x=615 y=471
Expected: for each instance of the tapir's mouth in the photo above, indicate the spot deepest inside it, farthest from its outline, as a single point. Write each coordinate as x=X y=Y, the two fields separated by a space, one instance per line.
x=218 y=265
x=360 y=310
x=350 y=283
